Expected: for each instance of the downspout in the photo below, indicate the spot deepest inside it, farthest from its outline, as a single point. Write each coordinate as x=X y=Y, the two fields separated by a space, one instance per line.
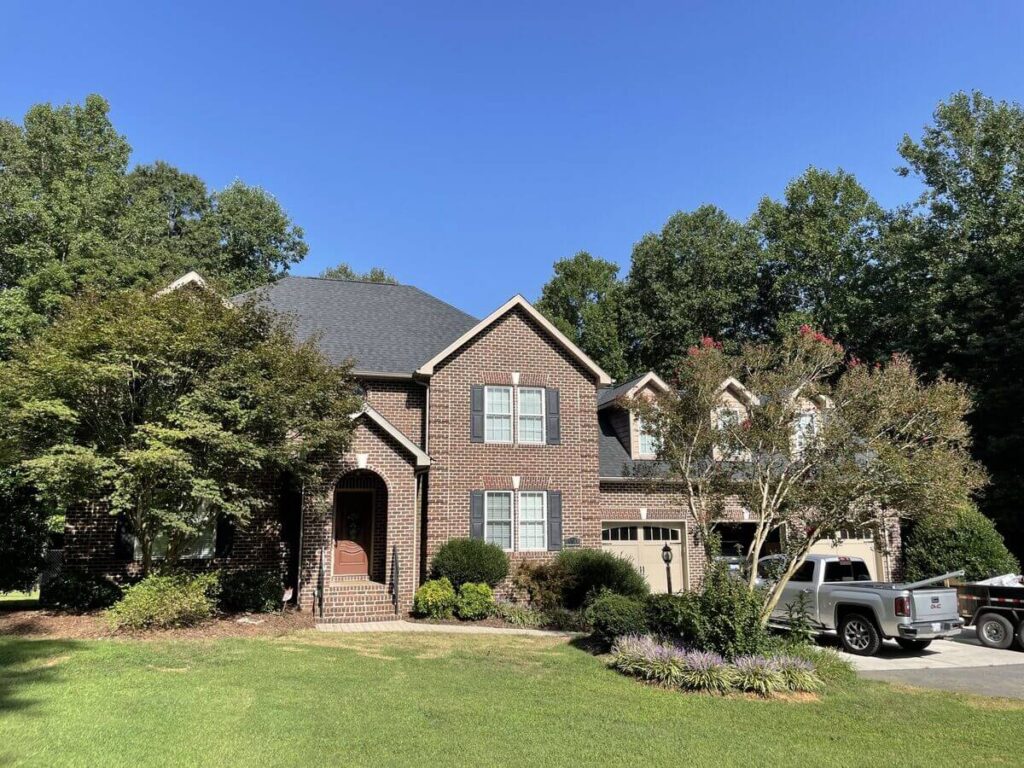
x=298 y=573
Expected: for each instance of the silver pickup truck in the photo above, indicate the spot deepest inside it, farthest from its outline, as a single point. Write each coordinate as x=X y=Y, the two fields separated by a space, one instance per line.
x=839 y=595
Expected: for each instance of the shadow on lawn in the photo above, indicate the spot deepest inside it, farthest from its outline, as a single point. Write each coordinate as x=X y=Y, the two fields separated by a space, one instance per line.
x=26 y=664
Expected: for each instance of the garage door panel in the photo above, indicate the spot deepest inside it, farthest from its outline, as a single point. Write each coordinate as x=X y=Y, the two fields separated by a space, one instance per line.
x=644 y=551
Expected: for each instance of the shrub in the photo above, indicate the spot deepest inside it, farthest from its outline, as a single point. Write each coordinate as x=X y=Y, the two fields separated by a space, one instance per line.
x=253 y=590
x=469 y=561
x=543 y=583
x=967 y=540
x=435 y=599
x=757 y=674
x=475 y=602
x=829 y=666
x=797 y=674
x=674 y=616
x=519 y=615
x=163 y=601
x=612 y=615
x=587 y=572
x=77 y=591
x=566 y=620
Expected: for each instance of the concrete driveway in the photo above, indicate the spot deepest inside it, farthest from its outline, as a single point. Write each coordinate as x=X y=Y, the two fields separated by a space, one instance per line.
x=962 y=665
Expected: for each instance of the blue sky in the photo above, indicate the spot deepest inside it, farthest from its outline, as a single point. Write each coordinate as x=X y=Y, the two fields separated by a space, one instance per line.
x=467 y=146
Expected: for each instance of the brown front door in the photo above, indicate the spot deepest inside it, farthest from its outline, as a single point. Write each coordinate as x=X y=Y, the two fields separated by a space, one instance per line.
x=353 y=532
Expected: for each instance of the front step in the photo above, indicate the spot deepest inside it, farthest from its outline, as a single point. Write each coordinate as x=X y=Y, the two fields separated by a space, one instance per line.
x=350 y=601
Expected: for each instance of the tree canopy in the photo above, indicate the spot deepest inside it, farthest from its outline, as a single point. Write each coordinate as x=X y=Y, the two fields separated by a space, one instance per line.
x=345 y=272
x=74 y=216
x=172 y=410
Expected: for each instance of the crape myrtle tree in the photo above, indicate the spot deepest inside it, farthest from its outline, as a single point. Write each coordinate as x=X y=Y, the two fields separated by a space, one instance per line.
x=172 y=410
x=822 y=443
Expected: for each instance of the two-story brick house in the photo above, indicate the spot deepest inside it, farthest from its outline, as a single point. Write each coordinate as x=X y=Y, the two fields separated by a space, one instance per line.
x=500 y=429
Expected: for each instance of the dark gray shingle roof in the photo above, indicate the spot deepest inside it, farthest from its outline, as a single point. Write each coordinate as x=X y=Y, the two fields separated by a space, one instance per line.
x=385 y=328
x=605 y=396
x=613 y=457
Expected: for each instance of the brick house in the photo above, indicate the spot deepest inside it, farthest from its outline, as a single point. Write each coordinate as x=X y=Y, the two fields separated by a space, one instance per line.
x=499 y=428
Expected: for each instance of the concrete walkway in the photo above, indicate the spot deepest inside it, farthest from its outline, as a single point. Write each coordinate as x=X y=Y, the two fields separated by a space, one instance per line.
x=458 y=629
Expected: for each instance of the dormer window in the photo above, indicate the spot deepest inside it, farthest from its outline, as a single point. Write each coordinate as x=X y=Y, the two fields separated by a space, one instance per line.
x=805 y=429
x=647 y=441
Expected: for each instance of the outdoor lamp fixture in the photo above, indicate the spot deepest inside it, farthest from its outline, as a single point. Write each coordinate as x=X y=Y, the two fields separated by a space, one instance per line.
x=666 y=555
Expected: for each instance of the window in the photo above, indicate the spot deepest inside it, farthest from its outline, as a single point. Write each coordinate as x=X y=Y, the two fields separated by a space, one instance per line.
x=659 y=533
x=498 y=414
x=804 y=573
x=648 y=442
x=498 y=518
x=533 y=520
x=619 y=533
x=804 y=431
x=531 y=415
x=727 y=418
x=846 y=570
x=201 y=547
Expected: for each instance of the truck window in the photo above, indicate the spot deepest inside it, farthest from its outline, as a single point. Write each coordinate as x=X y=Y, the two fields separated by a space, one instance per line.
x=805 y=572
x=850 y=570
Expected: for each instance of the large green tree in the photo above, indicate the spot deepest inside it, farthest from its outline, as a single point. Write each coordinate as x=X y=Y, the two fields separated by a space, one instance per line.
x=74 y=216
x=584 y=300
x=958 y=278
x=171 y=410
x=697 y=277
x=344 y=271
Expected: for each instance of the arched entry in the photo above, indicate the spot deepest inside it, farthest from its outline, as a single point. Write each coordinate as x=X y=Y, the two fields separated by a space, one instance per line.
x=360 y=526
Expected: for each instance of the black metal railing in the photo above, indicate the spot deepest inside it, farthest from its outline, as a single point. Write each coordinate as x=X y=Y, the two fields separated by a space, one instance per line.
x=393 y=588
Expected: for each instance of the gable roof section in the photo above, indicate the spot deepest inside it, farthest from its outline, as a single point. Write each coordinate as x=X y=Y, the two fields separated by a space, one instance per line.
x=427 y=369
x=739 y=390
x=614 y=461
x=629 y=388
x=387 y=329
x=422 y=459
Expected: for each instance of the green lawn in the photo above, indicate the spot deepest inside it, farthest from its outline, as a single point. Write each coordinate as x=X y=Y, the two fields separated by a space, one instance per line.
x=315 y=700
x=18 y=600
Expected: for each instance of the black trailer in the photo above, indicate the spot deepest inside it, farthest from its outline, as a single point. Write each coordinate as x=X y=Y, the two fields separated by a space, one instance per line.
x=997 y=613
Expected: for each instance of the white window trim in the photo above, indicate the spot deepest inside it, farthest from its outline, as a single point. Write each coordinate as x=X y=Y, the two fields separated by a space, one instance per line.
x=640 y=452
x=543 y=520
x=511 y=415
x=543 y=417
x=207 y=550
x=801 y=440
x=511 y=516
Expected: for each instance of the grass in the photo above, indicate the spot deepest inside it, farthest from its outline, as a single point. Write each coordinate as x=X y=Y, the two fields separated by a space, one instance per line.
x=317 y=699
x=10 y=601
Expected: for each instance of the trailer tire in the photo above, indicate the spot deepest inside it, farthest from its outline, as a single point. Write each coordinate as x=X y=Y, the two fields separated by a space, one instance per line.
x=912 y=645
x=1020 y=635
x=994 y=631
x=859 y=635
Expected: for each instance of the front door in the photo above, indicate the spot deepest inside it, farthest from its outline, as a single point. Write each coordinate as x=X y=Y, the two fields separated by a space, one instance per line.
x=353 y=532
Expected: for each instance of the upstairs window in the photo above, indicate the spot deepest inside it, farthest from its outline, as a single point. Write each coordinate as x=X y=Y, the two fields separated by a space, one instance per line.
x=498 y=414
x=648 y=443
x=531 y=415
x=805 y=429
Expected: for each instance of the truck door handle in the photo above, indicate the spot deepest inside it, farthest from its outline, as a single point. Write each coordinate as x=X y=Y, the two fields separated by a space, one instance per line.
x=806 y=591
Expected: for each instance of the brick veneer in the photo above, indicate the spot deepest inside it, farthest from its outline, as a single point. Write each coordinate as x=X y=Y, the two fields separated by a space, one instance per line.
x=513 y=344
x=403 y=403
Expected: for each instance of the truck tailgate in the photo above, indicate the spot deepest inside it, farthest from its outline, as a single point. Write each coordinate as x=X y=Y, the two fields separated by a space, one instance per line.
x=934 y=604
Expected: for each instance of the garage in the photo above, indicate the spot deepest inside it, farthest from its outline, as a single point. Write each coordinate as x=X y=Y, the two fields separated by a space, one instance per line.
x=854 y=543
x=642 y=544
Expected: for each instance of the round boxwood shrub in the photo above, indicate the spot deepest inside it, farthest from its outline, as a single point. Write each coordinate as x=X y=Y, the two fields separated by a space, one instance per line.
x=967 y=540
x=586 y=572
x=475 y=602
x=76 y=591
x=612 y=616
x=253 y=590
x=469 y=561
x=435 y=599
x=164 y=601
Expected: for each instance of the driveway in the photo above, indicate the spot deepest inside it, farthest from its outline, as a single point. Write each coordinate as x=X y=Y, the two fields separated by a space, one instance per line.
x=963 y=665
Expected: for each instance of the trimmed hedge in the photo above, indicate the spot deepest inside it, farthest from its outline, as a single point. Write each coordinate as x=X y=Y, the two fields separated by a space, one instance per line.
x=253 y=590
x=967 y=540
x=469 y=561
x=76 y=592
x=611 y=616
x=475 y=602
x=588 y=572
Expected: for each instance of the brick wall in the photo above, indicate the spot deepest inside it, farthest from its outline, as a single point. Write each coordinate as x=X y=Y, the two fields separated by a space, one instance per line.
x=403 y=403
x=514 y=343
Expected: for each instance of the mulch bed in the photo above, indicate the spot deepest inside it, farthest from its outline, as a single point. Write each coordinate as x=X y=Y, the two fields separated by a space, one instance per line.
x=52 y=625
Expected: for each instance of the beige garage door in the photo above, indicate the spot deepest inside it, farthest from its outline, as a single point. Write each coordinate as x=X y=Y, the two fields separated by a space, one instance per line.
x=854 y=544
x=641 y=543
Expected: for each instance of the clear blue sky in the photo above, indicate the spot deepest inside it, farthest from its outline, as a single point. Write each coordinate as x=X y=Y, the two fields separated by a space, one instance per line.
x=465 y=147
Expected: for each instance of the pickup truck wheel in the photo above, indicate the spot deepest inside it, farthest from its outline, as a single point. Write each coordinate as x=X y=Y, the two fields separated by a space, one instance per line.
x=912 y=645
x=859 y=635
x=994 y=631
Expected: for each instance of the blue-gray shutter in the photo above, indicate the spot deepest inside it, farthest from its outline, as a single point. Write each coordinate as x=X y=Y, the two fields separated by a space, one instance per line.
x=476 y=414
x=476 y=514
x=553 y=414
x=554 y=520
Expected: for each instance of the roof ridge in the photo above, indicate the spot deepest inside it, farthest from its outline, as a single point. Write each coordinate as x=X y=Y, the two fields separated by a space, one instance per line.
x=349 y=280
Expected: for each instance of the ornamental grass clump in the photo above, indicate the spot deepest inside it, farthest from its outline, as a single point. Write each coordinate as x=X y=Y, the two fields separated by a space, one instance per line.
x=757 y=674
x=798 y=674
x=706 y=671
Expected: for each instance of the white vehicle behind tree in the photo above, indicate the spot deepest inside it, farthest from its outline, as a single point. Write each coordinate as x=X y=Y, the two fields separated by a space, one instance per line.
x=836 y=594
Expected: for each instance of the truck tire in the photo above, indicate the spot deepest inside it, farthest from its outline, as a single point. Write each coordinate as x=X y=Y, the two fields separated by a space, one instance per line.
x=994 y=630
x=912 y=645
x=859 y=635
x=1020 y=635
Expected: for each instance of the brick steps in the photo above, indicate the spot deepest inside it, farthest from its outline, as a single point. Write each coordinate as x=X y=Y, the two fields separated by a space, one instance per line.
x=356 y=601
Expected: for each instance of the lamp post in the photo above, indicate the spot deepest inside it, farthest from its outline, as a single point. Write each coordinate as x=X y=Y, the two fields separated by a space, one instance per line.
x=666 y=555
